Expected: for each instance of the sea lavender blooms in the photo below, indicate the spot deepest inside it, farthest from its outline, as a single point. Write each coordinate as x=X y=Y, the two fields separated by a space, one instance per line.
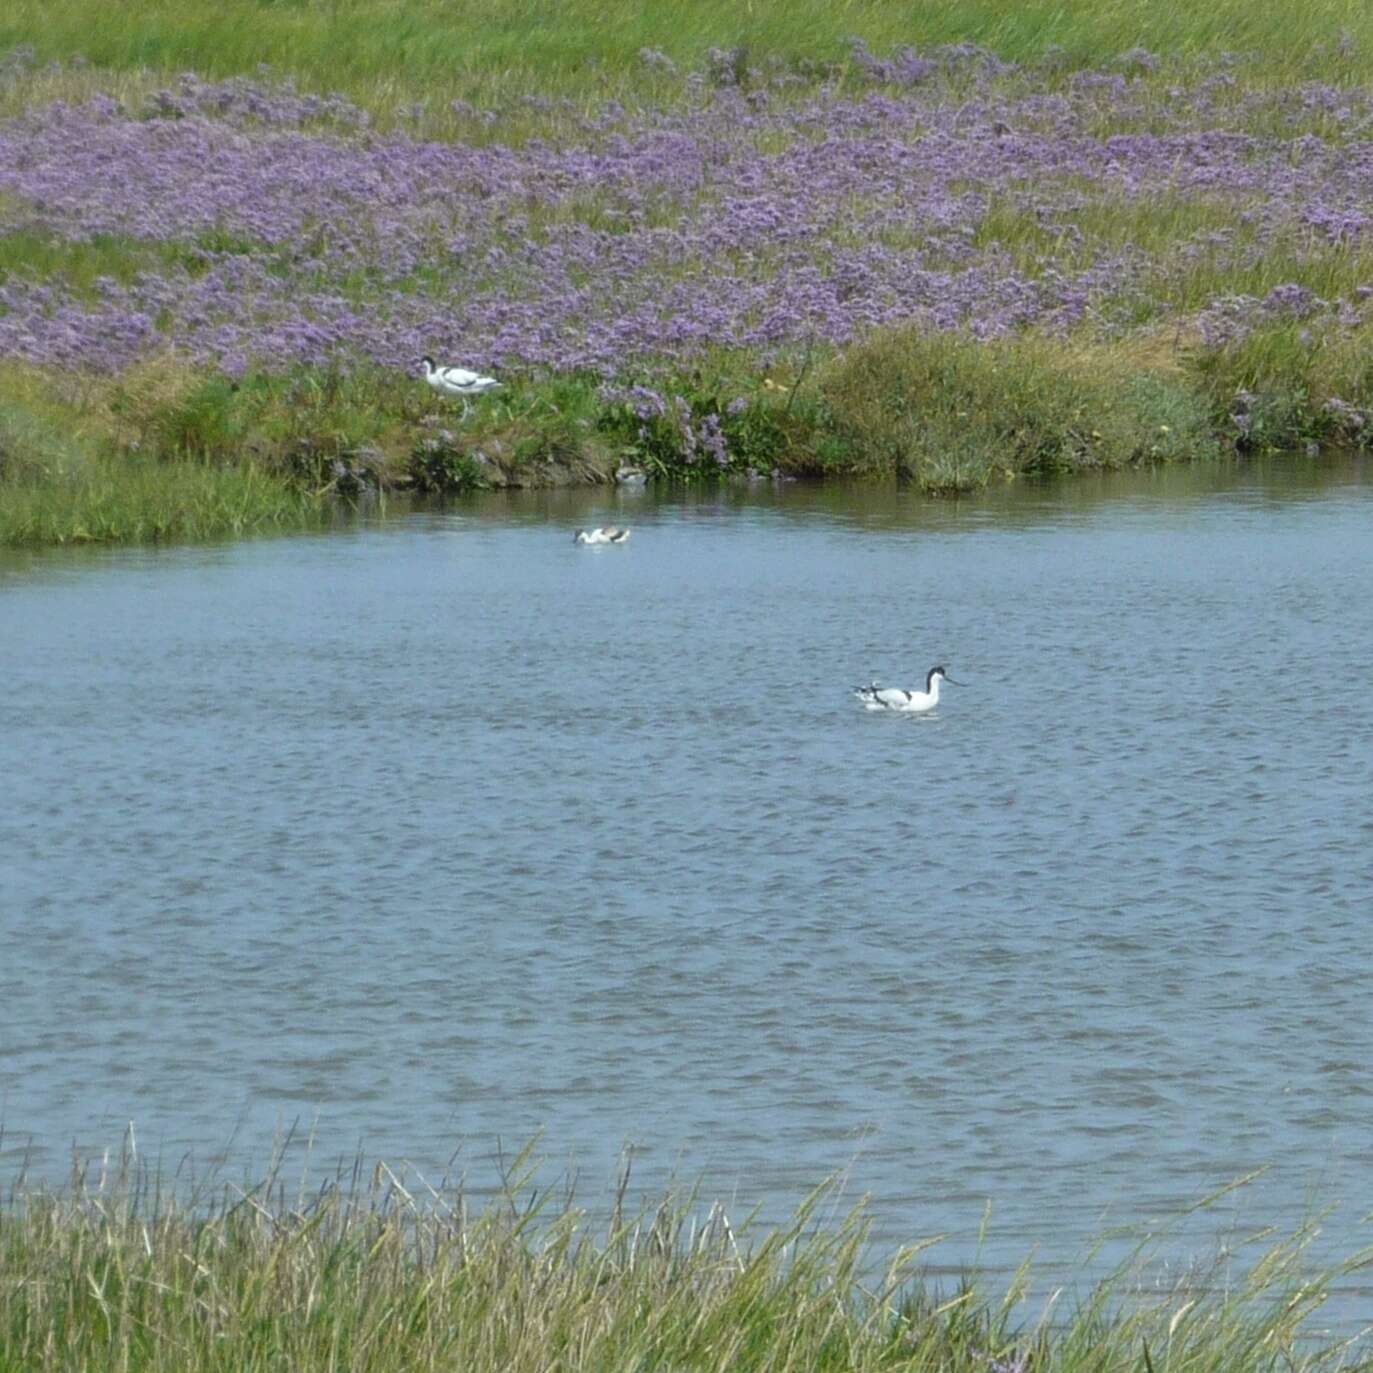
x=727 y=66
x=1138 y=59
x=643 y=401
x=686 y=430
x=711 y=437
x=1293 y=300
x=17 y=62
x=1228 y=319
x=1346 y=415
x=658 y=60
x=269 y=227
x=904 y=68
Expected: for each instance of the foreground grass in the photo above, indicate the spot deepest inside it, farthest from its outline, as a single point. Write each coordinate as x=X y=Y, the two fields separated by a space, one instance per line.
x=389 y=1276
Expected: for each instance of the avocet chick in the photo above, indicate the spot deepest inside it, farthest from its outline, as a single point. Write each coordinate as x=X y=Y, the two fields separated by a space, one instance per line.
x=609 y=534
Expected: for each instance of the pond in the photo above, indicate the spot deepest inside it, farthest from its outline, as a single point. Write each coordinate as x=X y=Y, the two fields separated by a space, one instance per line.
x=441 y=831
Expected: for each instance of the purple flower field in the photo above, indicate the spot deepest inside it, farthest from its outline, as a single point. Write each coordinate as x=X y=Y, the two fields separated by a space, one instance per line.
x=243 y=224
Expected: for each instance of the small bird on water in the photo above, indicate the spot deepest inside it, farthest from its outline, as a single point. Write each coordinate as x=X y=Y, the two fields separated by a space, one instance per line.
x=609 y=534
x=456 y=381
x=876 y=697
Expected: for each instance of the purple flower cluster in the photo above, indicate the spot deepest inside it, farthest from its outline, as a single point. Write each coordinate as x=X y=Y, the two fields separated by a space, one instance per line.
x=243 y=102
x=904 y=68
x=274 y=227
x=668 y=424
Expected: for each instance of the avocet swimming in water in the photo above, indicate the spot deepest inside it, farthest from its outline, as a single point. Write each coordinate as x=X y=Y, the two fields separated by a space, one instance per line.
x=610 y=534
x=876 y=697
x=456 y=381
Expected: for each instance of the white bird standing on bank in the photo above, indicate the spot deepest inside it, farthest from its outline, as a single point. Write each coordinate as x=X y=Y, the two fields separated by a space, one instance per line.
x=876 y=697
x=456 y=381
x=610 y=534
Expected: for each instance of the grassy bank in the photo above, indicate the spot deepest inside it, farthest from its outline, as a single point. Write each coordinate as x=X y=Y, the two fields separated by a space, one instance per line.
x=74 y=470
x=702 y=241
x=384 y=1275
x=165 y=452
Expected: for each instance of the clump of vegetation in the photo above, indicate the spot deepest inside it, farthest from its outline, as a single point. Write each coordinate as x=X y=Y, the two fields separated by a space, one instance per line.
x=1289 y=384
x=441 y=463
x=91 y=457
x=952 y=413
x=137 y=499
x=383 y=1274
x=63 y=483
x=690 y=427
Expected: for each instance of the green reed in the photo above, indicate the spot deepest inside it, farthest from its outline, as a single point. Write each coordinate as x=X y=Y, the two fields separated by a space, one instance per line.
x=62 y=482
x=376 y=1272
x=141 y=500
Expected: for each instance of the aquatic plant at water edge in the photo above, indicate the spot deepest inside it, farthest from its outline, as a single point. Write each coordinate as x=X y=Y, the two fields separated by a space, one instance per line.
x=375 y=1270
x=953 y=413
x=144 y=501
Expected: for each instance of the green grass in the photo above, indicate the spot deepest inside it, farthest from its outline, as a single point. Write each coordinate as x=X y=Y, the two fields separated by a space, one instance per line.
x=1199 y=248
x=415 y=49
x=385 y=1275
x=165 y=452
x=80 y=266
x=953 y=413
x=389 y=55
x=142 y=500
x=64 y=481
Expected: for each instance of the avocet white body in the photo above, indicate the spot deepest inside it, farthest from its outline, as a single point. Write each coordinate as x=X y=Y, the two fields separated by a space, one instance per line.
x=456 y=381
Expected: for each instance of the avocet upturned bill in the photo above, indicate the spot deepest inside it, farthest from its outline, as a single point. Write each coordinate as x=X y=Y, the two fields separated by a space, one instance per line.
x=456 y=381
x=610 y=534
x=876 y=697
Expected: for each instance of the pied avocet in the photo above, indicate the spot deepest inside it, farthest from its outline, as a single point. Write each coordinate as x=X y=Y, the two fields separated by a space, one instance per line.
x=456 y=381
x=876 y=697
x=610 y=534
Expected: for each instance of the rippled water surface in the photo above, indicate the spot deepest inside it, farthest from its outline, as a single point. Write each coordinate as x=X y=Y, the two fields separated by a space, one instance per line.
x=444 y=829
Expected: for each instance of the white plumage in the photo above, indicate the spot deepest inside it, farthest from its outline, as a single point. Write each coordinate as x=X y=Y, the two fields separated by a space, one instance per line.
x=876 y=697
x=609 y=534
x=456 y=381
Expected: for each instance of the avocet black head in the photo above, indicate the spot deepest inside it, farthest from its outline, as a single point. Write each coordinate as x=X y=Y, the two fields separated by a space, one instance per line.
x=941 y=674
